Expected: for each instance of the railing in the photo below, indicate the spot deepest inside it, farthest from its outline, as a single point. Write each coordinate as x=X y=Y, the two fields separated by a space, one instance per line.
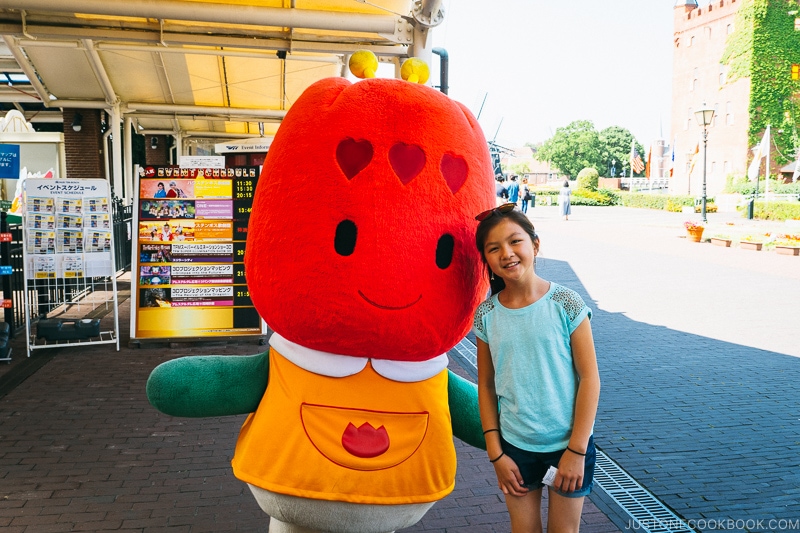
x=644 y=184
x=41 y=293
x=13 y=285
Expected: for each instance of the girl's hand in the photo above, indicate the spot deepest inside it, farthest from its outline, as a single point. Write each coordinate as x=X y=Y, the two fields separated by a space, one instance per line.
x=508 y=477
x=570 y=472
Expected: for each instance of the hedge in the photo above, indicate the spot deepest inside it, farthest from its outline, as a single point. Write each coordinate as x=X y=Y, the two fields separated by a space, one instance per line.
x=602 y=197
x=774 y=210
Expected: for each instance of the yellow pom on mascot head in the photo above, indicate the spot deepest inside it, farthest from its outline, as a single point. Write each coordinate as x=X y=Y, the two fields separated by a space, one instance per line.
x=361 y=258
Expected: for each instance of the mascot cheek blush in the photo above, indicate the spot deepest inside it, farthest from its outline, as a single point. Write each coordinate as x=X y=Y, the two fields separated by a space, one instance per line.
x=361 y=258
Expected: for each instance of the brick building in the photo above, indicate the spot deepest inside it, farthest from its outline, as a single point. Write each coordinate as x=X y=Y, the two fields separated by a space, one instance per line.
x=699 y=77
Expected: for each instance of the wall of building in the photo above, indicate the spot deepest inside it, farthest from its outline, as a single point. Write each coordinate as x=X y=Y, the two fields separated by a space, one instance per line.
x=84 y=150
x=698 y=77
x=158 y=156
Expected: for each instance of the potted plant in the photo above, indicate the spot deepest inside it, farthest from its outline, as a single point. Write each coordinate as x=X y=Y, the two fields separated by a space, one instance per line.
x=694 y=230
x=721 y=240
x=751 y=242
x=788 y=244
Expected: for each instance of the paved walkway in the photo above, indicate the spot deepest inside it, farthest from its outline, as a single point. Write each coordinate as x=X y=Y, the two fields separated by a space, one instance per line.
x=699 y=400
x=698 y=353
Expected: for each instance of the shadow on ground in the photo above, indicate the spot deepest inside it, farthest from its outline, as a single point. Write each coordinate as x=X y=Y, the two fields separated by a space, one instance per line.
x=711 y=428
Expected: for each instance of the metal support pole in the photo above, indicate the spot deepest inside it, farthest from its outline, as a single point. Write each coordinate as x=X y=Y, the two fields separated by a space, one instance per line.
x=444 y=68
x=705 y=152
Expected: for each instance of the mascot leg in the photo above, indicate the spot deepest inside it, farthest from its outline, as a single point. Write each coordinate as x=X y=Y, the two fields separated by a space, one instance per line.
x=290 y=514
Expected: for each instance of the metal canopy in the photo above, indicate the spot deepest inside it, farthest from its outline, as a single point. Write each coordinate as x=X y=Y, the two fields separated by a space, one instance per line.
x=192 y=67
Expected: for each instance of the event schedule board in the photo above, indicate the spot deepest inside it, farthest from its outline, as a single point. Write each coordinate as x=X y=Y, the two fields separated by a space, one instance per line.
x=191 y=228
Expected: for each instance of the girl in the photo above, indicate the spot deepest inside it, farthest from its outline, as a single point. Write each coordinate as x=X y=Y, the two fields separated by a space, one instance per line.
x=538 y=383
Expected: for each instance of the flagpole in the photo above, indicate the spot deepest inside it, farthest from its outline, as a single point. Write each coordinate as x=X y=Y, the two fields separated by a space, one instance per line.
x=766 y=171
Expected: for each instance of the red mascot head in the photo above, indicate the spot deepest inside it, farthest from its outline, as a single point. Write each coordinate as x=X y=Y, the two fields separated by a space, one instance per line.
x=361 y=239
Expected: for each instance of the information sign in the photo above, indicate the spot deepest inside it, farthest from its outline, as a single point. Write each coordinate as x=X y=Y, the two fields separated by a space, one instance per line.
x=191 y=227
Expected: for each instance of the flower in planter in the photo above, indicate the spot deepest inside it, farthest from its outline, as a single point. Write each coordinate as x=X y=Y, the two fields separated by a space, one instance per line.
x=756 y=238
x=787 y=240
x=691 y=226
x=721 y=236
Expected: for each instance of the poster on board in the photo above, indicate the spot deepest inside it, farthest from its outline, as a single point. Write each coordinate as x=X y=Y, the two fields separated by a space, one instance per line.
x=190 y=228
x=59 y=219
x=69 y=265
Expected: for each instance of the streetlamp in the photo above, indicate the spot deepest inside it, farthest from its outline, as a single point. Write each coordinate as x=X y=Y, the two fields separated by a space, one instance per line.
x=704 y=116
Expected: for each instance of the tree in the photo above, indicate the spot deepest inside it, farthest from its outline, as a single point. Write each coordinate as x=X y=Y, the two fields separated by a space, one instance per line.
x=574 y=148
x=616 y=142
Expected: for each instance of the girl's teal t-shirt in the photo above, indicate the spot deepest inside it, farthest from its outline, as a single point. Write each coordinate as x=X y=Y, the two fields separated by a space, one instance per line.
x=535 y=378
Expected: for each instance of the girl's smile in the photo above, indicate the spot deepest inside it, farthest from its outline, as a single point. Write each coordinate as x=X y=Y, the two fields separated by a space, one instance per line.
x=509 y=251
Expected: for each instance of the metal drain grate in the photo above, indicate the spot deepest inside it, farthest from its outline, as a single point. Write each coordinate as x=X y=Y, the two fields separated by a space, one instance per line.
x=648 y=513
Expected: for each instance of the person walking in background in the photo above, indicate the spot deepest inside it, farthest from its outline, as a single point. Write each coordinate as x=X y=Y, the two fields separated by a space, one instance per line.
x=538 y=382
x=526 y=196
x=500 y=190
x=564 y=200
x=513 y=190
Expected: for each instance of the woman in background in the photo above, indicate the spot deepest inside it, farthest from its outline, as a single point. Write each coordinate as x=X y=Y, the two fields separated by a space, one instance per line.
x=564 y=200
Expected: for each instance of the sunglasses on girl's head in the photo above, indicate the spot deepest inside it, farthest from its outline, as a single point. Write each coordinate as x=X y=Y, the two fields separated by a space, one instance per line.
x=502 y=209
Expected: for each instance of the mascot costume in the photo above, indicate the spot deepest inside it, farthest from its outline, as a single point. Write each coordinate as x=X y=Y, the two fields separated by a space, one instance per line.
x=361 y=259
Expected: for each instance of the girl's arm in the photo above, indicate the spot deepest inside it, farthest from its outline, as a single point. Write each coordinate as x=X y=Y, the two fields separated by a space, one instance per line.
x=570 y=467
x=508 y=477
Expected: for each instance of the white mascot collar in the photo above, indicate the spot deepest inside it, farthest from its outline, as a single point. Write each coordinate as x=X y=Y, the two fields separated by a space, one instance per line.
x=339 y=366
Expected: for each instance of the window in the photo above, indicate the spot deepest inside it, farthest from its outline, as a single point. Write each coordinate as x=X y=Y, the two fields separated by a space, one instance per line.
x=708 y=31
x=689 y=117
x=691 y=41
x=716 y=114
x=729 y=113
x=713 y=166
x=693 y=82
x=729 y=29
x=796 y=72
x=11 y=78
x=726 y=167
x=722 y=76
x=797 y=24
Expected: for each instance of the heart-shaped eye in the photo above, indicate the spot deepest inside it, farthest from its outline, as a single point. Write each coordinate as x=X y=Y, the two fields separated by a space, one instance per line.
x=353 y=156
x=454 y=170
x=407 y=161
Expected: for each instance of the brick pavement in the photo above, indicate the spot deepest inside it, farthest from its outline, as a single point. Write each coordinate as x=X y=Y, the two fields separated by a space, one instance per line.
x=81 y=449
x=699 y=403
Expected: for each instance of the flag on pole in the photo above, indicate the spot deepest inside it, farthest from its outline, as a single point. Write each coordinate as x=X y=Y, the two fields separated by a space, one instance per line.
x=636 y=161
x=649 y=166
x=758 y=154
x=672 y=158
x=695 y=157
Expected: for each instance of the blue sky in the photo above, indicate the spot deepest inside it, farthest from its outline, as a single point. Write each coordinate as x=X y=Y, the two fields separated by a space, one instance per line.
x=544 y=63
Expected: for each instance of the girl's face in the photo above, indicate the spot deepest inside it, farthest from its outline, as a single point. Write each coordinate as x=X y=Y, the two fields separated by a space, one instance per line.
x=510 y=252
x=160 y=186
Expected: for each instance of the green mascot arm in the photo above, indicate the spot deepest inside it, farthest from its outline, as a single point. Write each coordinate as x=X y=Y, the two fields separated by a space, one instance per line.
x=464 y=411
x=214 y=385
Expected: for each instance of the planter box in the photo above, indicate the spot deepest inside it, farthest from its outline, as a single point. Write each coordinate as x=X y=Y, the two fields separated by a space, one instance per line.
x=721 y=242
x=744 y=245
x=788 y=250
